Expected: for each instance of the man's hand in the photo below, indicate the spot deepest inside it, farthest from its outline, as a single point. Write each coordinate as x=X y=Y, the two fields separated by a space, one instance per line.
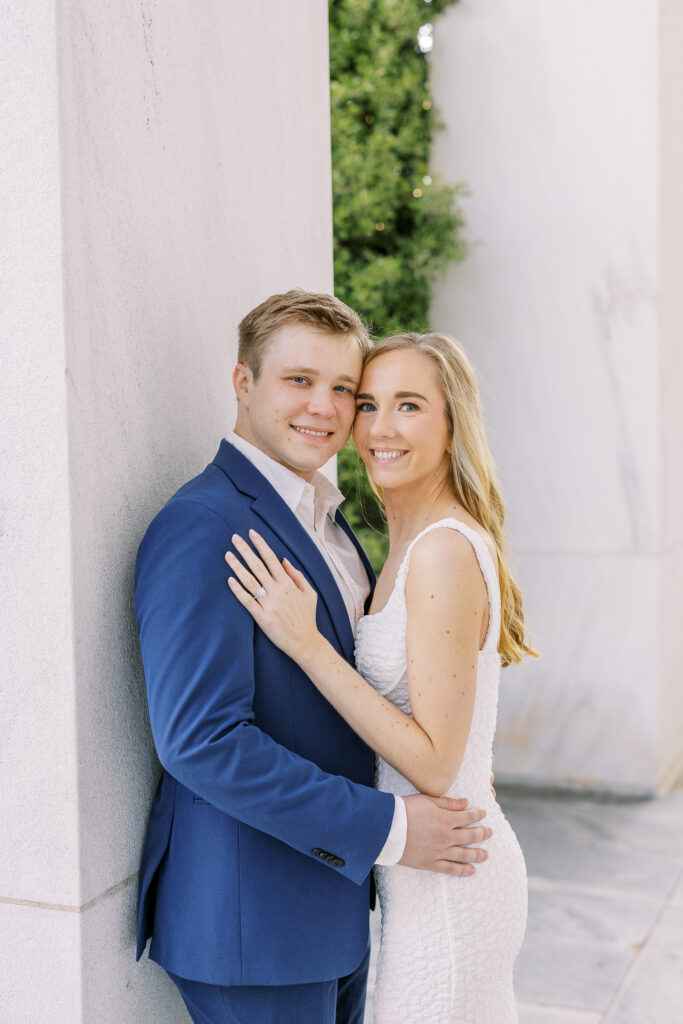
x=440 y=833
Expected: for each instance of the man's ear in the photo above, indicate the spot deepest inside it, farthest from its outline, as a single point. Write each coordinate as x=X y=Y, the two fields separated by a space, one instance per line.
x=242 y=379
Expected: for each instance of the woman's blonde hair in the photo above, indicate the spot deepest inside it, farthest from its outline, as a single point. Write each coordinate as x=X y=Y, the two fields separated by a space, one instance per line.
x=471 y=472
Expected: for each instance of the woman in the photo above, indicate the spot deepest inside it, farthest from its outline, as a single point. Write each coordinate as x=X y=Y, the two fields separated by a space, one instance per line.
x=445 y=614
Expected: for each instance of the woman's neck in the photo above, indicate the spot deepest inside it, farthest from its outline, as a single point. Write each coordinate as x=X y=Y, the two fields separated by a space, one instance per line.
x=410 y=510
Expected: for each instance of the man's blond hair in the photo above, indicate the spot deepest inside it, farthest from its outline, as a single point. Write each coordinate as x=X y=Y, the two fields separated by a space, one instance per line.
x=315 y=309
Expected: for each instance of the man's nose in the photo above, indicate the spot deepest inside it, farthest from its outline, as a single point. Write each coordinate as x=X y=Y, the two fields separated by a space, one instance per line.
x=320 y=402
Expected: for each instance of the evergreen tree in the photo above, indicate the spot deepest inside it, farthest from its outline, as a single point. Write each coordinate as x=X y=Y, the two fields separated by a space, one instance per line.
x=395 y=226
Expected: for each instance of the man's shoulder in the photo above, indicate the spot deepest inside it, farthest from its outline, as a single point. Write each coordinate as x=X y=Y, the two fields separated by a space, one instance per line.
x=211 y=488
x=210 y=496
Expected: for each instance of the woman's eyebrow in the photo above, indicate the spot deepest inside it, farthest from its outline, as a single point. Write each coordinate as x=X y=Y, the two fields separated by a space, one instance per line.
x=399 y=394
x=411 y=394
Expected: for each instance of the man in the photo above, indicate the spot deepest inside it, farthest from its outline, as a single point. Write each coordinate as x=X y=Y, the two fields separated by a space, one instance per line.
x=256 y=874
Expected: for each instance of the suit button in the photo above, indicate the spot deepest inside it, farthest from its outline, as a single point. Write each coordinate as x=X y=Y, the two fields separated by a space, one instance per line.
x=338 y=862
x=317 y=852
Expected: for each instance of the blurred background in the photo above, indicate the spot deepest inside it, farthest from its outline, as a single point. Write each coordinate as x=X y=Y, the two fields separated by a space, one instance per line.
x=505 y=172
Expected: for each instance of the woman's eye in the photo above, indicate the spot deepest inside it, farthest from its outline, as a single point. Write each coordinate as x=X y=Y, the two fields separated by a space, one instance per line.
x=408 y=406
x=365 y=407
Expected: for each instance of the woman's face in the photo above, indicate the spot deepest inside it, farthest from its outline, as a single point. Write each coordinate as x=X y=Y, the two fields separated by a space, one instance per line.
x=401 y=430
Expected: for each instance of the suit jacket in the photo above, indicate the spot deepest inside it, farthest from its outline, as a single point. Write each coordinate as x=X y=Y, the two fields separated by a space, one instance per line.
x=265 y=826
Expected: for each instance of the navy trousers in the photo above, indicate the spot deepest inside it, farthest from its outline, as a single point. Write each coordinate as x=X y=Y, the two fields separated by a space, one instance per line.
x=341 y=1001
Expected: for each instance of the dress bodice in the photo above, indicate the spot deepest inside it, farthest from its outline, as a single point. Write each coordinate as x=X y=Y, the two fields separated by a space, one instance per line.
x=381 y=660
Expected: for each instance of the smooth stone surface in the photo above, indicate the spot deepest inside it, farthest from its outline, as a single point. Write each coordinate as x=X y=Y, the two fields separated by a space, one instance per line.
x=39 y=952
x=584 y=715
x=570 y=308
x=653 y=992
x=668 y=932
x=670 y=292
x=141 y=992
x=556 y=302
x=670 y=657
x=577 y=947
x=626 y=846
x=530 y=1014
x=39 y=858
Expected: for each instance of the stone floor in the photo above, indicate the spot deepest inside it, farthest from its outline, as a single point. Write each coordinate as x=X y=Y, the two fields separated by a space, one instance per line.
x=604 y=942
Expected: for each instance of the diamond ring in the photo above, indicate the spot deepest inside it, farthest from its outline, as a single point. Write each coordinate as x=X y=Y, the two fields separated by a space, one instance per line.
x=259 y=592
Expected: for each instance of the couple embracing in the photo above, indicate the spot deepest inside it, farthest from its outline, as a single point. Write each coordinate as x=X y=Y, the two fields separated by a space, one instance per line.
x=289 y=774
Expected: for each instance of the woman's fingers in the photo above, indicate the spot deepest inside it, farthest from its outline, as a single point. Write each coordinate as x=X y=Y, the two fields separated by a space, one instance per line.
x=254 y=563
x=247 y=579
x=263 y=567
x=267 y=554
x=245 y=598
x=296 y=576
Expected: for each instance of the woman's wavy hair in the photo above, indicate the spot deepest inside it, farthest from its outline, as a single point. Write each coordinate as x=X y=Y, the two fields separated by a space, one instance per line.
x=472 y=472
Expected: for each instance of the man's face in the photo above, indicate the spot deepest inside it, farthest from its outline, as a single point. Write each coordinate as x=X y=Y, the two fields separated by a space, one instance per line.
x=300 y=409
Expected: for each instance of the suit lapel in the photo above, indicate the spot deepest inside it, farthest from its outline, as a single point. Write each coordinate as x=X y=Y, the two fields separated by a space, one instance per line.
x=280 y=520
x=341 y=520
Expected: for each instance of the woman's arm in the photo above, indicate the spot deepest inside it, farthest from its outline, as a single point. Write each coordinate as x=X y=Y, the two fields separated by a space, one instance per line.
x=446 y=599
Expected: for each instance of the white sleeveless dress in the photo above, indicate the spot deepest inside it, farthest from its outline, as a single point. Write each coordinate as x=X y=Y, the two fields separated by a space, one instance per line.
x=448 y=944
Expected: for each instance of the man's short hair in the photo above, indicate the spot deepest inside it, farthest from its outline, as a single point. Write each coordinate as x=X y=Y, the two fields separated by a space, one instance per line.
x=315 y=309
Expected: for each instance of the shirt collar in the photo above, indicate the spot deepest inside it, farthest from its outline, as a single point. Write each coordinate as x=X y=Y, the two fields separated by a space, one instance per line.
x=289 y=485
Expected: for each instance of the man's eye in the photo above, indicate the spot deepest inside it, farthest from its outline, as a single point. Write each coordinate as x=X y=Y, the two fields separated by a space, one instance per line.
x=343 y=389
x=299 y=380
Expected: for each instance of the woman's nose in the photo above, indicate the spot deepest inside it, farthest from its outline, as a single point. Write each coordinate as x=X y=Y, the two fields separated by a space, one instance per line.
x=382 y=425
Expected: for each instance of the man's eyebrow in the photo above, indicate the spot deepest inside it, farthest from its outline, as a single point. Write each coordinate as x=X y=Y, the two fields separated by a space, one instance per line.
x=312 y=372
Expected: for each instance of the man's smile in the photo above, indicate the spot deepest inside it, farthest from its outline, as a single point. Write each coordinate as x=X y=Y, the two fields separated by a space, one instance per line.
x=312 y=432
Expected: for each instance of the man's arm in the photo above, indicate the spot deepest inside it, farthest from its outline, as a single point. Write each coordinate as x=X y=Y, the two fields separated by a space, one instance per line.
x=197 y=648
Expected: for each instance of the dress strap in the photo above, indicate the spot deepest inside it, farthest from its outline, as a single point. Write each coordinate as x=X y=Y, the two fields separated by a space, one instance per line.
x=486 y=565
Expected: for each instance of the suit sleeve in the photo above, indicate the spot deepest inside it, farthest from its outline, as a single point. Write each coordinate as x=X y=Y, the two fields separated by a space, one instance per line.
x=197 y=649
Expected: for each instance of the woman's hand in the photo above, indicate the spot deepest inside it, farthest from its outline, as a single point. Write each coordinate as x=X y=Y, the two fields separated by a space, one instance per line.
x=278 y=596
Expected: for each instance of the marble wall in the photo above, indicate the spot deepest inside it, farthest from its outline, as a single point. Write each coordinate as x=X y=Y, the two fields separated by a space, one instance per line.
x=565 y=121
x=167 y=166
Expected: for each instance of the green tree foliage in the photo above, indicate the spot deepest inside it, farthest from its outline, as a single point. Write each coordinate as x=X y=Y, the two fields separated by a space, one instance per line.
x=395 y=226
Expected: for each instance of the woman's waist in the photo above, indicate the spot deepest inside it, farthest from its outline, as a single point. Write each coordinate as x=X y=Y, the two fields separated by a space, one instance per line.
x=474 y=786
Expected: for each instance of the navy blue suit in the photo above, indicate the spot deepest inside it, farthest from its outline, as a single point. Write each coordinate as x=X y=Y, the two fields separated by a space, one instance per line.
x=265 y=826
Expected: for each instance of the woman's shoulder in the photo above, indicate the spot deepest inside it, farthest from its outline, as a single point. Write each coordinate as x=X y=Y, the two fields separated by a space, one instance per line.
x=444 y=551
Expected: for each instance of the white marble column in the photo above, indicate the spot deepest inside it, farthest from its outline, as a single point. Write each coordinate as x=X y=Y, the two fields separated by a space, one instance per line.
x=565 y=120
x=165 y=167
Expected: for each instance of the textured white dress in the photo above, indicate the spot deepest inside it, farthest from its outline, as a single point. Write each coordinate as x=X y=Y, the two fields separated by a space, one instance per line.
x=448 y=944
